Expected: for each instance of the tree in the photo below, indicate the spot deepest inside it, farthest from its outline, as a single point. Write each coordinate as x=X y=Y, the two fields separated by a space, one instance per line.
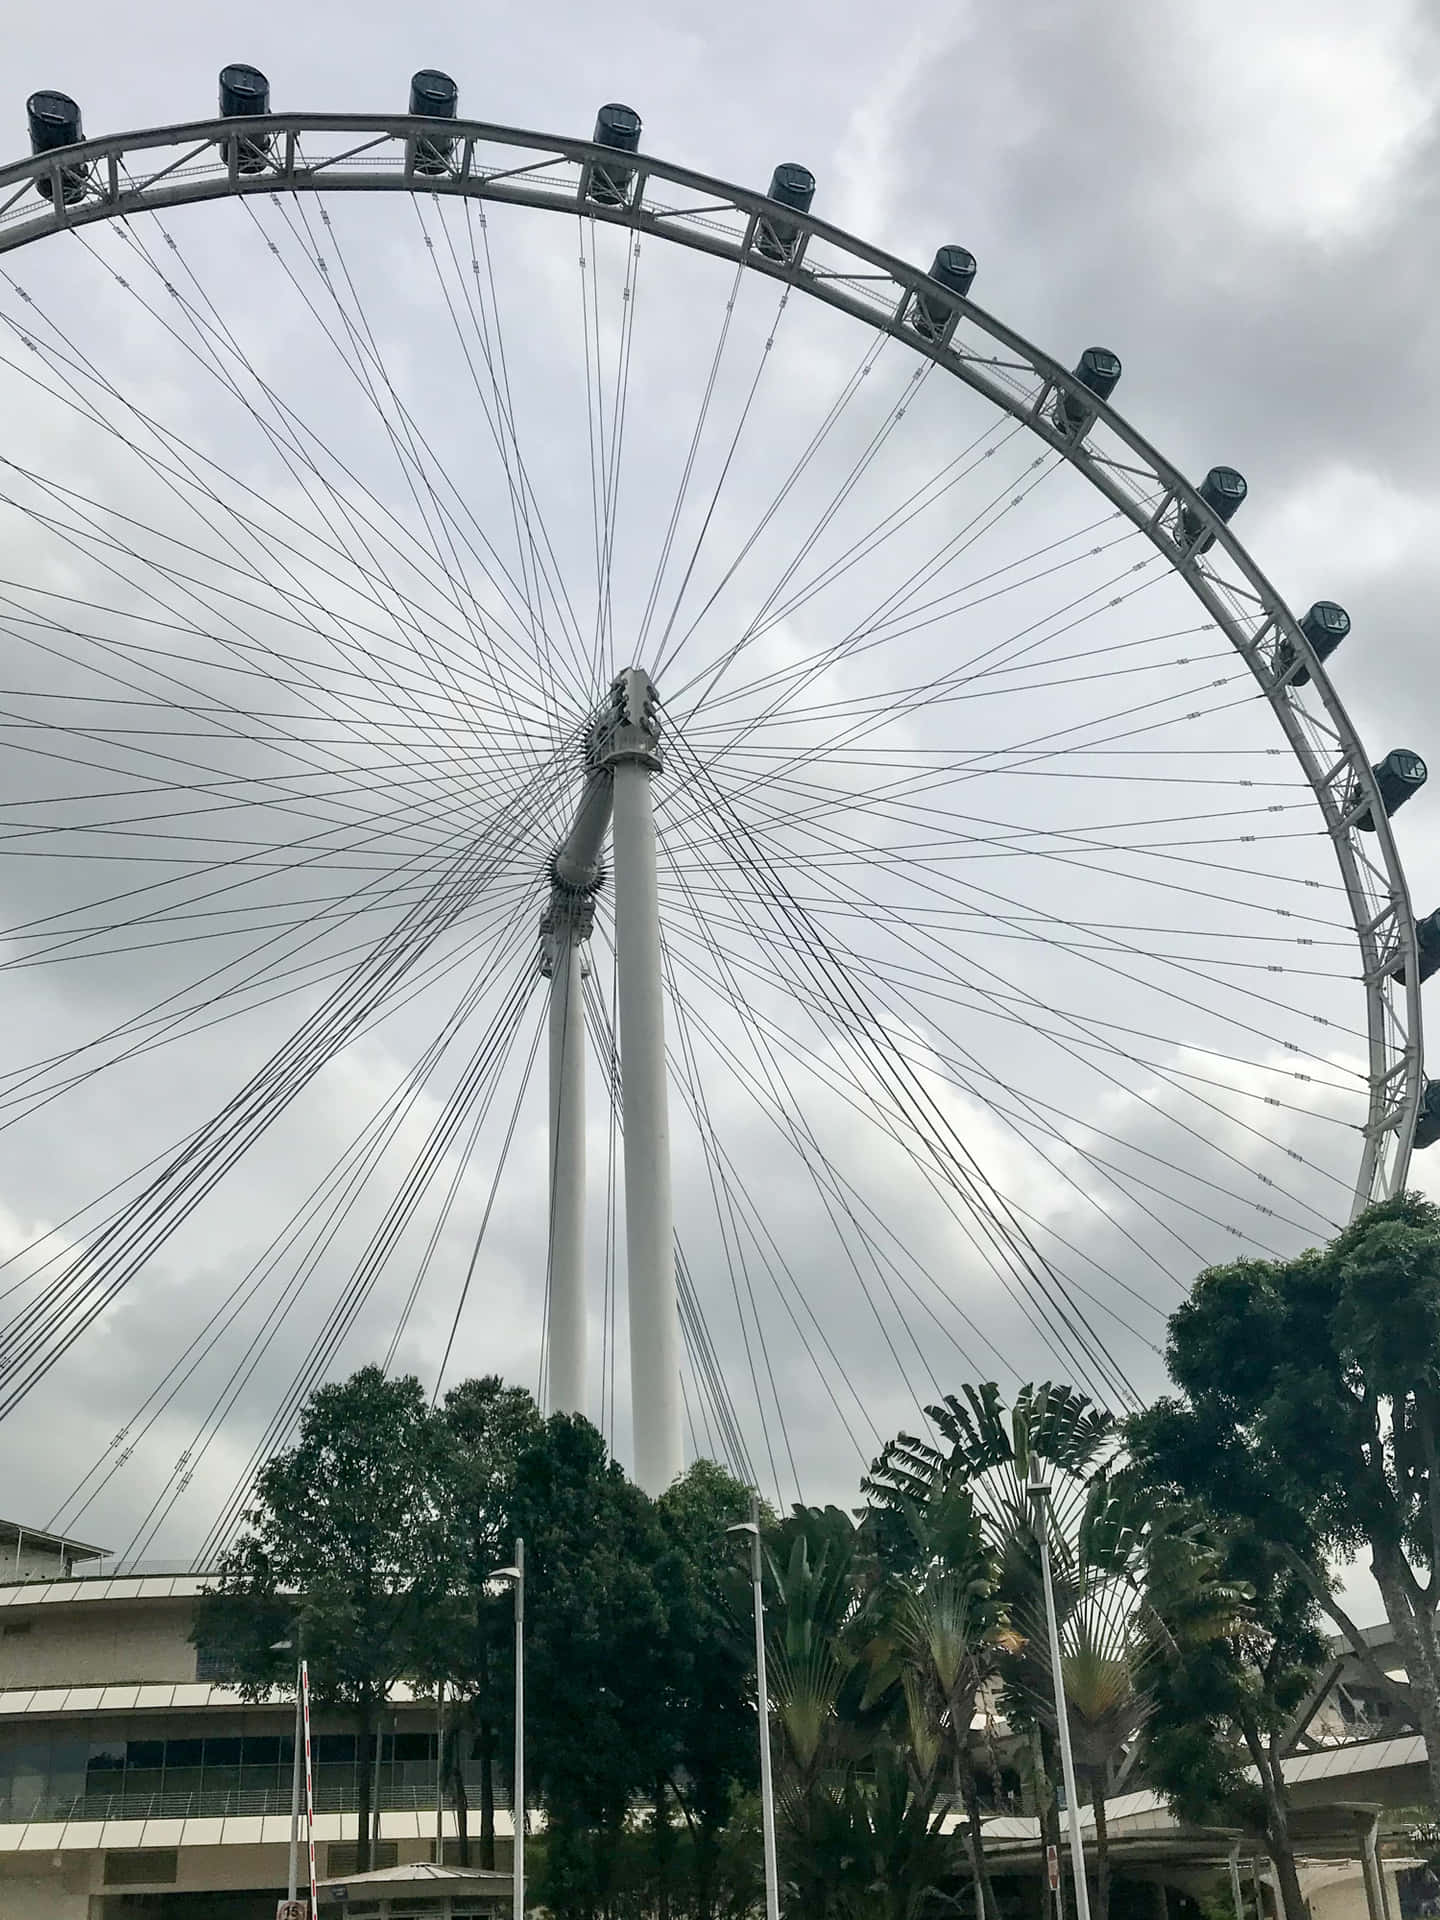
x=988 y=1450
x=941 y=1629
x=1319 y=1379
x=486 y=1426
x=345 y=1542
x=1224 y=1703
x=712 y=1755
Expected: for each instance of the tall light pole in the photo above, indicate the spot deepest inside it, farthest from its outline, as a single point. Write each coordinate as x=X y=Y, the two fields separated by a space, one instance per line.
x=762 y=1709
x=1041 y=1509
x=515 y=1577
x=296 y=1775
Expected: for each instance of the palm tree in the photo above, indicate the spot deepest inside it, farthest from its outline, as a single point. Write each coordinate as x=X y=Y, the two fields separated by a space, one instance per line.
x=940 y=1630
x=1127 y=1546
x=987 y=1448
x=817 y=1687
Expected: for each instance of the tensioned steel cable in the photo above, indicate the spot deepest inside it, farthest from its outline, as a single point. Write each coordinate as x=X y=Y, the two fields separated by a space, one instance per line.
x=992 y=1214
x=35 y=1339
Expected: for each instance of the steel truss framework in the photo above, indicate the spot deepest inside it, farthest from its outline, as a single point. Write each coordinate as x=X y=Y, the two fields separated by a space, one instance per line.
x=162 y=168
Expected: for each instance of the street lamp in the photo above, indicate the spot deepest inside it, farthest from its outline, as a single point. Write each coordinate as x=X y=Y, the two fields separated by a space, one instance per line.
x=762 y=1708
x=515 y=1576
x=291 y=1646
x=1040 y=1505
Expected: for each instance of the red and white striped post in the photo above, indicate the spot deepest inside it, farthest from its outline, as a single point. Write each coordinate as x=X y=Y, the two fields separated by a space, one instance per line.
x=309 y=1789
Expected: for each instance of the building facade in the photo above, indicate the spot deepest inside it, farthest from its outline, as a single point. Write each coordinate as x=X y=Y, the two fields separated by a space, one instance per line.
x=134 y=1782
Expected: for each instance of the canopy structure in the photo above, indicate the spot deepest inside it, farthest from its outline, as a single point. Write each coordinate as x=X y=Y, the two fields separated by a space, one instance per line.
x=417 y=1891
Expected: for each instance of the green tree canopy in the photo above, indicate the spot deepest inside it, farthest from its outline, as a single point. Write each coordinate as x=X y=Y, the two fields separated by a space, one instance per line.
x=1316 y=1384
x=345 y=1540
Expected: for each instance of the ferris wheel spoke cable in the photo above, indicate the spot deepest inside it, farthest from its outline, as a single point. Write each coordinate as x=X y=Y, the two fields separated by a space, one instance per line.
x=486 y=1064
x=723 y=1203
x=934 y=987
x=421 y=980
x=500 y=1037
x=457 y=837
x=861 y=1097
x=960 y=1072
x=926 y=875
x=677 y=505
x=363 y=566
x=543 y=574
x=721 y=478
x=773 y=609
x=775 y=1097
x=776 y=1100
x=404 y=439
x=982 y=521
x=291 y=441
x=100 y=1272
x=324 y=1208
x=992 y=1215
x=1087 y=1027
x=898 y=702
x=190 y=762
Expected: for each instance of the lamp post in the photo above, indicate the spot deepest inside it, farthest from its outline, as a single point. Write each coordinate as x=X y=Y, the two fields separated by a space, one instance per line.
x=762 y=1709
x=515 y=1577
x=296 y=1776
x=1040 y=1506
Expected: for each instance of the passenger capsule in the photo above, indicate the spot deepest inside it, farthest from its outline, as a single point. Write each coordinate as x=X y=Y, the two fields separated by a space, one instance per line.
x=1098 y=372
x=954 y=268
x=1324 y=626
x=790 y=186
x=55 y=122
x=1427 y=1117
x=434 y=96
x=616 y=127
x=1223 y=490
x=244 y=95
x=1398 y=775
x=1427 y=942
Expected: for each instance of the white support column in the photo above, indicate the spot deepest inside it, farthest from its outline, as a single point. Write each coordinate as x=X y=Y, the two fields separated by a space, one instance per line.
x=566 y=1329
x=649 y=1220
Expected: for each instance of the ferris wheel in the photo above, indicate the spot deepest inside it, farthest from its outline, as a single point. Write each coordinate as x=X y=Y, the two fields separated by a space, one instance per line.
x=476 y=603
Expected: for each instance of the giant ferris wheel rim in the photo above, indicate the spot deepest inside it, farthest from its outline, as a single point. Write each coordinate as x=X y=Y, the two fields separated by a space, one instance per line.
x=880 y=293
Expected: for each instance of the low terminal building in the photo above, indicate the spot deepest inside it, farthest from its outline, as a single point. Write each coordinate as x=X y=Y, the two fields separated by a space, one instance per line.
x=135 y=1782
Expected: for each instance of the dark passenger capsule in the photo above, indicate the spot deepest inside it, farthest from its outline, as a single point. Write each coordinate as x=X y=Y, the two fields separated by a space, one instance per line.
x=790 y=186
x=1223 y=490
x=55 y=122
x=1427 y=940
x=1324 y=626
x=1099 y=373
x=245 y=93
x=1398 y=775
x=434 y=96
x=953 y=267
x=1427 y=1116
x=616 y=127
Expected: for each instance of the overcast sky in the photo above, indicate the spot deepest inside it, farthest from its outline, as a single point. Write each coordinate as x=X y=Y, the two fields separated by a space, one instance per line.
x=1241 y=202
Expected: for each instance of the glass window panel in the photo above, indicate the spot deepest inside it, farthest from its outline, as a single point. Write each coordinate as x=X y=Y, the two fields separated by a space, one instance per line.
x=184 y=1753
x=222 y=1753
x=106 y=1756
x=262 y=1750
x=334 y=1748
x=144 y=1753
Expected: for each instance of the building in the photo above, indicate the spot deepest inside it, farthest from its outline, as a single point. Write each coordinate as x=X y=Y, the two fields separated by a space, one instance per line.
x=134 y=1782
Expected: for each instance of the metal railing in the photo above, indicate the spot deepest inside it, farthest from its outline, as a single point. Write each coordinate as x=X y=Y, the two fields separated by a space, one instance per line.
x=216 y=1804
